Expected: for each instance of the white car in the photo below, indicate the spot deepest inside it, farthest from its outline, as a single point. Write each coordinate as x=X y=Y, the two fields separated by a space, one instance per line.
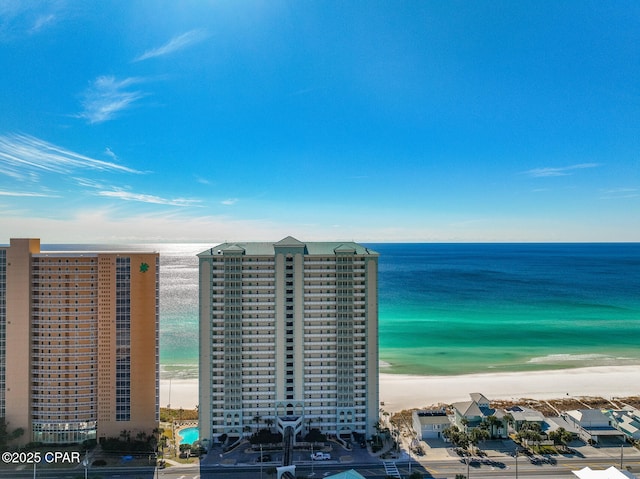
x=320 y=456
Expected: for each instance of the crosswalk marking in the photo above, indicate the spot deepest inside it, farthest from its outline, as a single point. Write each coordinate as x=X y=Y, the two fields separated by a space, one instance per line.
x=391 y=469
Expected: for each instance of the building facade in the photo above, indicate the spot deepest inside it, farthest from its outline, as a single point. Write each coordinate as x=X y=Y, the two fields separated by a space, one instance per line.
x=288 y=337
x=78 y=342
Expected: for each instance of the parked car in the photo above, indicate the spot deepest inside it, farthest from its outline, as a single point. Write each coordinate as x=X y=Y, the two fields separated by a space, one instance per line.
x=320 y=456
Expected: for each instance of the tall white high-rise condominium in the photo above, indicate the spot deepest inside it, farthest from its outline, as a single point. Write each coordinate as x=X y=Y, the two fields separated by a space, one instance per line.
x=288 y=337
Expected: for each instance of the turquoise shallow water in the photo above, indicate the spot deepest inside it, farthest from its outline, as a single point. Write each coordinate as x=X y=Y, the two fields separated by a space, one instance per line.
x=455 y=309
x=450 y=309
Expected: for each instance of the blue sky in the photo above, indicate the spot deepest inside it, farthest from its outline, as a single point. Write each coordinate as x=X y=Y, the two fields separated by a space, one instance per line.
x=327 y=120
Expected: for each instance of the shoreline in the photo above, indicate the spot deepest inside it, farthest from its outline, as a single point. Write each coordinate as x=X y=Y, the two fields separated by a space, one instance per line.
x=401 y=391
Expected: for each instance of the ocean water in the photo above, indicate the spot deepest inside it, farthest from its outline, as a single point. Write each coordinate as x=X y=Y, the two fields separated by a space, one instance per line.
x=449 y=309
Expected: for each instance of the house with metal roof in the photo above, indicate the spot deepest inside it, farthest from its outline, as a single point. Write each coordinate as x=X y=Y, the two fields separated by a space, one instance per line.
x=523 y=415
x=626 y=421
x=594 y=426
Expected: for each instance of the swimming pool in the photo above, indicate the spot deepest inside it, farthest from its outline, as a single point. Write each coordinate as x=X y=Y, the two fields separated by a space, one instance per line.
x=188 y=435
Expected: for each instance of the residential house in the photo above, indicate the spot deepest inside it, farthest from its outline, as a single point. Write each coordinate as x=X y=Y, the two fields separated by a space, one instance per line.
x=429 y=424
x=480 y=399
x=594 y=426
x=626 y=421
x=522 y=415
x=471 y=414
x=556 y=422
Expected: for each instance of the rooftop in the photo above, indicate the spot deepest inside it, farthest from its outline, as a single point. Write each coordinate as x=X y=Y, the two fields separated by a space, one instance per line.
x=611 y=473
x=323 y=248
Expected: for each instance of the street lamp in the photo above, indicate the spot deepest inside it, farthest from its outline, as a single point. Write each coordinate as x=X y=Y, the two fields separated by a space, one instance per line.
x=85 y=463
x=312 y=462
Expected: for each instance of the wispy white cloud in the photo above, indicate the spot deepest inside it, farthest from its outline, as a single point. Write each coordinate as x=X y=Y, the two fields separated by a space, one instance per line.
x=560 y=171
x=620 y=193
x=24 y=157
x=111 y=154
x=156 y=200
x=26 y=194
x=107 y=96
x=89 y=183
x=20 y=18
x=176 y=43
x=229 y=201
x=41 y=22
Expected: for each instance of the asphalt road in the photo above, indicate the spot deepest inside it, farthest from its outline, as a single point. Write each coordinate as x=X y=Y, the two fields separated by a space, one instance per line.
x=439 y=469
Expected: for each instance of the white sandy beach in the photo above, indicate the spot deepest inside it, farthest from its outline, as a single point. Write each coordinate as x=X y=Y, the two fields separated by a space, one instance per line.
x=405 y=392
x=179 y=393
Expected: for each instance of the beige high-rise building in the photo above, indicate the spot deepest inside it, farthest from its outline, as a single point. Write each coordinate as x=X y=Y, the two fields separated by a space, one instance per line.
x=288 y=338
x=78 y=342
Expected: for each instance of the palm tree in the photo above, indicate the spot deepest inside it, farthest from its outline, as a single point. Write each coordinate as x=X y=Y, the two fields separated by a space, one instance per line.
x=457 y=437
x=269 y=422
x=478 y=434
x=377 y=427
x=164 y=440
x=257 y=420
x=494 y=423
x=141 y=436
x=530 y=432
x=508 y=418
x=155 y=435
x=561 y=436
x=465 y=422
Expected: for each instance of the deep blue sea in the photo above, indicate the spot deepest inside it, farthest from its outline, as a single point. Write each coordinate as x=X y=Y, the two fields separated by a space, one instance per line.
x=449 y=309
